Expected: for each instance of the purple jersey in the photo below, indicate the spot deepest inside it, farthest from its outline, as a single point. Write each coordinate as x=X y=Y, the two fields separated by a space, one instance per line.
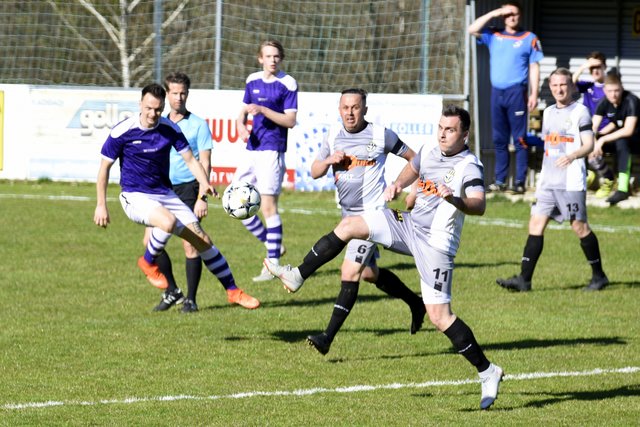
x=144 y=154
x=592 y=93
x=279 y=95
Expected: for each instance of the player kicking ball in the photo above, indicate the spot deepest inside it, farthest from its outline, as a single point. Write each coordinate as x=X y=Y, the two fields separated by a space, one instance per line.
x=450 y=186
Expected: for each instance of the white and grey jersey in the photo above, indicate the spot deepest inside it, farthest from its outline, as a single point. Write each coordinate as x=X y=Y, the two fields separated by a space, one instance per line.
x=438 y=219
x=562 y=131
x=360 y=178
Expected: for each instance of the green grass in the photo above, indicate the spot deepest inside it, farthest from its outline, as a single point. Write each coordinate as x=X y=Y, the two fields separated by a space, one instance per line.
x=77 y=326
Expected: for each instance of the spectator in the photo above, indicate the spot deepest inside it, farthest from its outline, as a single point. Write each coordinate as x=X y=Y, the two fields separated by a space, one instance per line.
x=514 y=56
x=592 y=91
x=622 y=135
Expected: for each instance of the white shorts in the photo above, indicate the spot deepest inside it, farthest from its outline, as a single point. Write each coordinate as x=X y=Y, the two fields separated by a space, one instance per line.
x=362 y=251
x=264 y=169
x=138 y=207
x=561 y=205
x=396 y=231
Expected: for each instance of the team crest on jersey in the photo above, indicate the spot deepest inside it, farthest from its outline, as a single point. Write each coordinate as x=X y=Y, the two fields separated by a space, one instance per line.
x=449 y=176
x=371 y=146
x=517 y=43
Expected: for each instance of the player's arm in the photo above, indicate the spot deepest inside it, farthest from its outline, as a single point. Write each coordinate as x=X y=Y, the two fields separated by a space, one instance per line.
x=201 y=208
x=475 y=29
x=407 y=176
x=321 y=167
x=196 y=169
x=101 y=214
x=534 y=85
x=474 y=203
x=286 y=119
x=627 y=129
x=583 y=151
x=241 y=123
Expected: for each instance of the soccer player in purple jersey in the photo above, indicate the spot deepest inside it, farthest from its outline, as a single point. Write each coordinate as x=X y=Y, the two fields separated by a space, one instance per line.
x=592 y=91
x=561 y=193
x=356 y=151
x=271 y=98
x=450 y=186
x=143 y=143
x=514 y=58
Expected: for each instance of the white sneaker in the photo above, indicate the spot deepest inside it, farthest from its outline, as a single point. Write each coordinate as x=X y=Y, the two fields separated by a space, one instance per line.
x=490 y=381
x=264 y=275
x=290 y=277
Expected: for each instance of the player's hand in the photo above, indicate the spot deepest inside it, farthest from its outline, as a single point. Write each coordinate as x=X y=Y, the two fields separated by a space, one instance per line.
x=506 y=11
x=254 y=109
x=391 y=192
x=445 y=192
x=101 y=216
x=201 y=209
x=597 y=149
x=563 y=162
x=532 y=103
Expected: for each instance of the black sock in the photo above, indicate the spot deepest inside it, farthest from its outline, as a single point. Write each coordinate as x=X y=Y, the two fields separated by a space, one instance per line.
x=193 y=268
x=166 y=268
x=532 y=251
x=391 y=284
x=325 y=249
x=465 y=344
x=591 y=249
x=341 y=309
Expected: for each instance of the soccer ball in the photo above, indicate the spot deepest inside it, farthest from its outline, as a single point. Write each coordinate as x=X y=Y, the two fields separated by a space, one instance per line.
x=241 y=200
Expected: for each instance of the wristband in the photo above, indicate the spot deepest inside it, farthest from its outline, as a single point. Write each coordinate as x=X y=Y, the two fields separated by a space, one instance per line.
x=204 y=198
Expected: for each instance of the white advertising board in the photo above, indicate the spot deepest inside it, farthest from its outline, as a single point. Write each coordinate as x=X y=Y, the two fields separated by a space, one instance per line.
x=57 y=132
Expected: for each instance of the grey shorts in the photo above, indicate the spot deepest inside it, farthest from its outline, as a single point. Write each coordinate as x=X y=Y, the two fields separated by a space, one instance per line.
x=363 y=252
x=561 y=205
x=396 y=231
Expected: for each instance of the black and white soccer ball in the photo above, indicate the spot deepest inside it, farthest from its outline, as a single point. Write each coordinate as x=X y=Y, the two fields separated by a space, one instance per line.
x=241 y=200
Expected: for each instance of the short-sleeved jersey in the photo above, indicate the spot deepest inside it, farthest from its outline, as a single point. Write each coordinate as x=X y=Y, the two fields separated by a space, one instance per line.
x=144 y=154
x=360 y=178
x=592 y=93
x=197 y=133
x=280 y=95
x=439 y=219
x=629 y=107
x=510 y=56
x=562 y=132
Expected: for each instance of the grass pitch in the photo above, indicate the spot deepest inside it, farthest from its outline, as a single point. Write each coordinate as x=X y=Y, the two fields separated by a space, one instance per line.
x=81 y=346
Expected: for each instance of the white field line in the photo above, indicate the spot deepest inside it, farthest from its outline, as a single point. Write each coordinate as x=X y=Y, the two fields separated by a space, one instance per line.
x=312 y=391
x=493 y=222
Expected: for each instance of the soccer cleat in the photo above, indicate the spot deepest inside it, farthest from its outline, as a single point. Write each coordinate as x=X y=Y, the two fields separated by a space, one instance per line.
x=169 y=299
x=154 y=276
x=490 y=383
x=264 y=275
x=515 y=283
x=320 y=342
x=597 y=283
x=417 y=318
x=189 y=306
x=238 y=296
x=617 y=197
x=606 y=185
x=290 y=277
x=496 y=188
x=518 y=189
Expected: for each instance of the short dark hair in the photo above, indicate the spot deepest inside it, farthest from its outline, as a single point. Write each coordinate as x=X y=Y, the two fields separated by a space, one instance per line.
x=155 y=90
x=455 y=111
x=272 y=43
x=596 y=54
x=561 y=71
x=357 y=91
x=178 y=78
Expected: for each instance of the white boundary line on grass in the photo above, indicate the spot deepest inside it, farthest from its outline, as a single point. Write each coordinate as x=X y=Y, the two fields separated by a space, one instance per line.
x=312 y=391
x=500 y=222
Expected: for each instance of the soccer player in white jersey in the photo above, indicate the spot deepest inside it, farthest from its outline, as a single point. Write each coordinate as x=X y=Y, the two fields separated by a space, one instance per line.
x=186 y=187
x=450 y=186
x=561 y=193
x=271 y=98
x=142 y=143
x=356 y=151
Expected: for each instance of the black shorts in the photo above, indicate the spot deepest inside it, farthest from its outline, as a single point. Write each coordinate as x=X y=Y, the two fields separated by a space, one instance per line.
x=188 y=193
